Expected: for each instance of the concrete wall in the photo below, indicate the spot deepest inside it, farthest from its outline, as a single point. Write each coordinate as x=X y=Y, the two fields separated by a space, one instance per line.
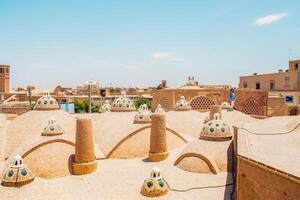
x=258 y=181
x=168 y=98
x=295 y=94
x=277 y=107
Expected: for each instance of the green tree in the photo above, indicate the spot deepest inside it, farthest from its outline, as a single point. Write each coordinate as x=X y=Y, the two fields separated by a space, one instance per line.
x=83 y=106
x=95 y=108
x=141 y=101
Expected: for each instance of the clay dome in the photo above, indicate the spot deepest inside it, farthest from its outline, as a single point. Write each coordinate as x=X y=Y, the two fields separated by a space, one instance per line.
x=32 y=87
x=216 y=130
x=182 y=104
x=52 y=128
x=123 y=104
x=159 y=109
x=28 y=127
x=143 y=116
x=105 y=107
x=225 y=105
x=46 y=102
x=17 y=174
x=155 y=186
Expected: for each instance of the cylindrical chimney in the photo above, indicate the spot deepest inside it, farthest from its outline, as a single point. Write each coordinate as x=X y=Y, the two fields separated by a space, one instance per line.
x=158 y=138
x=84 y=160
x=213 y=110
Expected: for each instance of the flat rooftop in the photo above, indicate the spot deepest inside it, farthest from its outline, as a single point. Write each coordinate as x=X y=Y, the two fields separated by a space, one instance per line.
x=275 y=143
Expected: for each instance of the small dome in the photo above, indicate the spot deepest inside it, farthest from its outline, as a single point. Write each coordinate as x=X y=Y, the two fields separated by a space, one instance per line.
x=182 y=104
x=52 y=128
x=159 y=109
x=143 y=116
x=155 y=173
x=18 y=161
x=155 y=186
x=105 y=107
x=122 y=104
x=31 y=87
x=225 y=105
x=46 y=102
x=17 y=174
x=216 y=130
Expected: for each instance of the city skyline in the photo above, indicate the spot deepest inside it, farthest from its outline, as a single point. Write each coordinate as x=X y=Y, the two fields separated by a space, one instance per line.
x=139 y=43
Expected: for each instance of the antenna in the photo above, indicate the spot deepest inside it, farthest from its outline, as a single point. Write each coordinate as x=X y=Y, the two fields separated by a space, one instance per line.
x=290 y=50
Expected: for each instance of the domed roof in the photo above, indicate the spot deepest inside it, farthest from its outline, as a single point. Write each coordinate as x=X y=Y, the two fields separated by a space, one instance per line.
x=46 y=102
x=32 y=87
x=17 y=174
x=216 y=130
x=182 y=104
x=159 y=109
x=29 y=125
x=225 y=105
x=105 y=107
x=122 y=104
x=52 y=128
x=155 y=186
x=143 y=116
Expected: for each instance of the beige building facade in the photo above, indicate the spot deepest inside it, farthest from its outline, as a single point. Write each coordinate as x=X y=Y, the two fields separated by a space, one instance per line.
x=283 y=87
x=288 y=80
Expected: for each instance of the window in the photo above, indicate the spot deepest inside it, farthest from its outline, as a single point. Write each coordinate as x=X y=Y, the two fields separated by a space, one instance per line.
x=245 y=85
x=1 y=70
x=289 y=99
x=257 y=85
x=296 y=67
x=272 y=85
x=286 y=82
x=103 y=93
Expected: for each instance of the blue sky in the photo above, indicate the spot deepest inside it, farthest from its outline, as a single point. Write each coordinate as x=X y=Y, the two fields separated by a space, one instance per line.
x=140 y=42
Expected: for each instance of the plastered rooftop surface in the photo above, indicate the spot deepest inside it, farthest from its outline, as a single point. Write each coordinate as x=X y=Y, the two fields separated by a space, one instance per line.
x=2 y=119
x=273 y=148
x=116 y=137
x=122 y=179
x=191 y=122
x=29 y=126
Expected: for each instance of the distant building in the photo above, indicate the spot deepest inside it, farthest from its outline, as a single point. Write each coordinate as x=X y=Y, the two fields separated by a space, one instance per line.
x=283 y=88
x=4 y=78
x=83 y=90
x=288 y=80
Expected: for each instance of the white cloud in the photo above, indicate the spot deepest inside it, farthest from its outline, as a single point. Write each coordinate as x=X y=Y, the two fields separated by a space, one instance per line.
x=166 y=56
x=270 y=19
